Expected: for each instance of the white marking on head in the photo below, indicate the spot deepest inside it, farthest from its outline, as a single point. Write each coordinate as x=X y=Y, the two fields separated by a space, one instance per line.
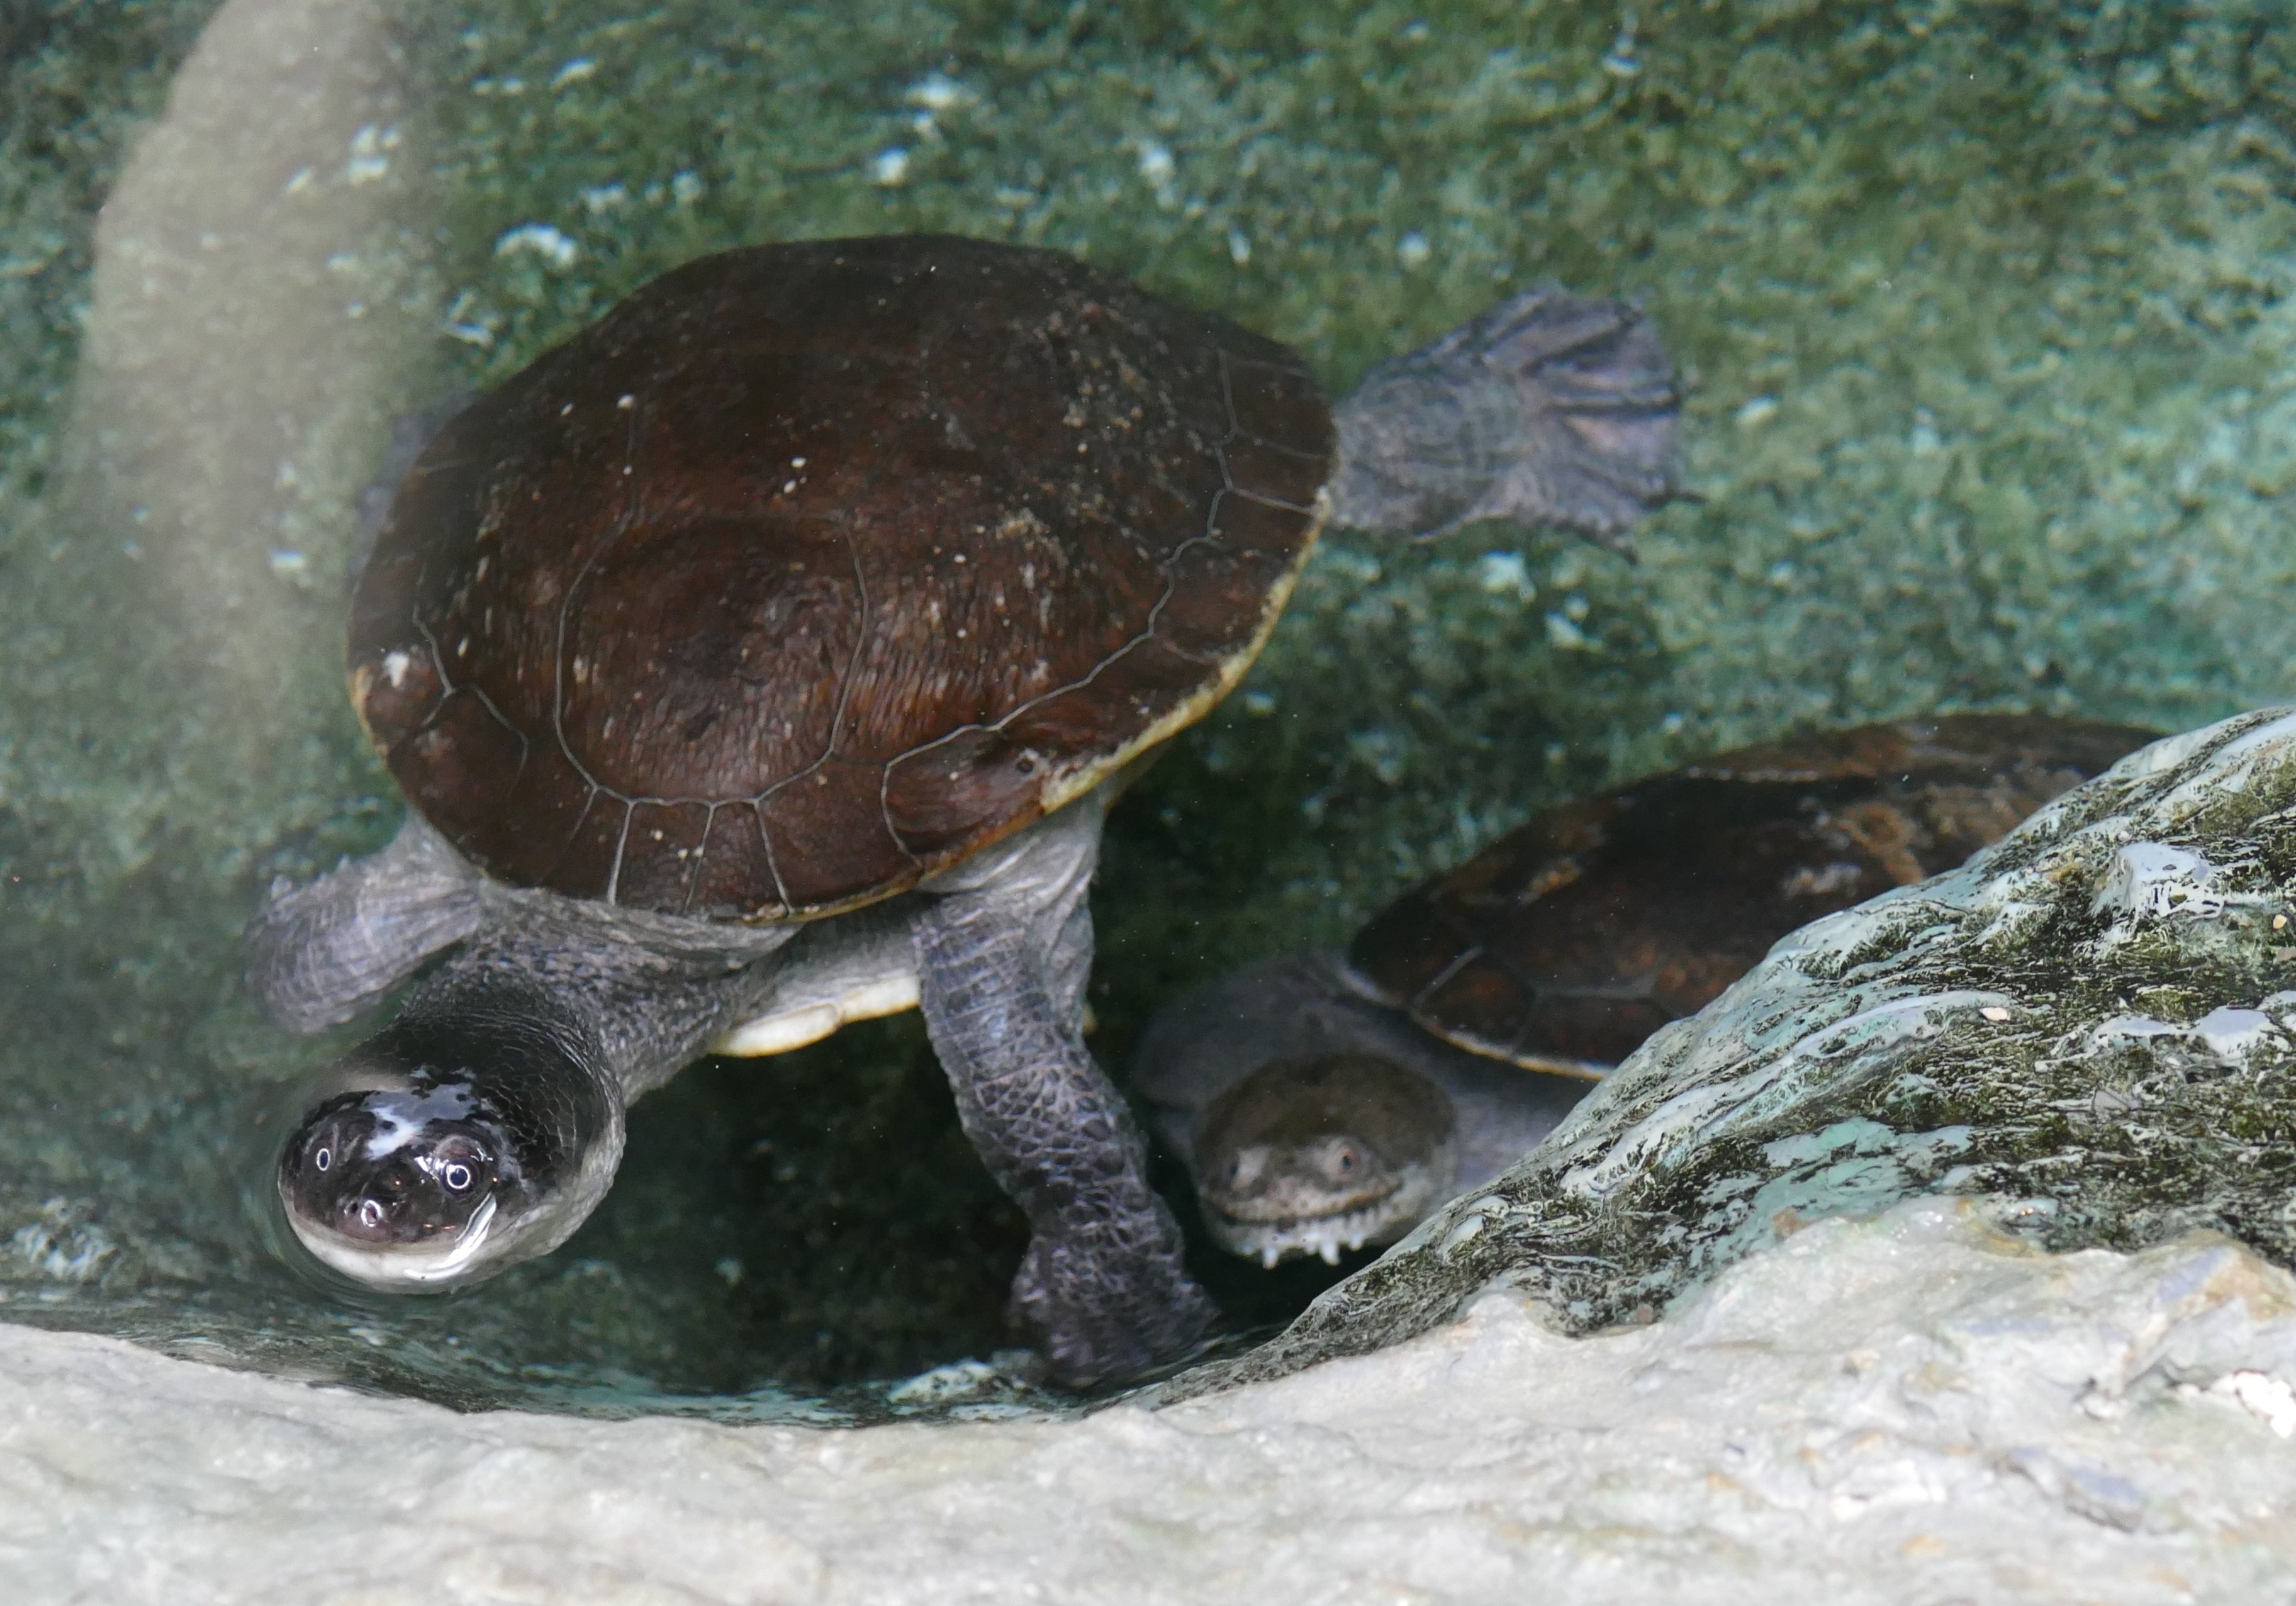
x=400 y=1119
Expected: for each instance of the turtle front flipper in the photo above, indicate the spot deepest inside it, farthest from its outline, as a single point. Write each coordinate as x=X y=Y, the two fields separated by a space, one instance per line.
x=318 y=954
x=1101 y=1290
x=1550 y=408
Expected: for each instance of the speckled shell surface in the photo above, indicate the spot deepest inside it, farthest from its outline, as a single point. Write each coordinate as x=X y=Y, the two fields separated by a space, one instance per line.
x=1569 y=940
x=812 y=569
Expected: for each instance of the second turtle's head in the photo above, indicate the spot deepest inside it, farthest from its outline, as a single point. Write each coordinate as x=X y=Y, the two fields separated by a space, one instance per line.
x=1309 y=1157
x=422 y=1162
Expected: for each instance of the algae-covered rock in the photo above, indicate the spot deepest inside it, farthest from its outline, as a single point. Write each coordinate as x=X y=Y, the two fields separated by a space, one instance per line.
x=2090 y=1022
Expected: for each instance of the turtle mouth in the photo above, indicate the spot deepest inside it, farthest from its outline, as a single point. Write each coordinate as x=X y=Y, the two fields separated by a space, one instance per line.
x=447 y=1261
x=1271 y=1241
x=1268 y=1190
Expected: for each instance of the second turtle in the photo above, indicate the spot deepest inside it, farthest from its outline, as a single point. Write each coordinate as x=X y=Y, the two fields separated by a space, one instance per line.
x=1323 y=1103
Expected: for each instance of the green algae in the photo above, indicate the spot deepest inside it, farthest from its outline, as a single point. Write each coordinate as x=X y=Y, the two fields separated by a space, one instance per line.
x=1986 y=312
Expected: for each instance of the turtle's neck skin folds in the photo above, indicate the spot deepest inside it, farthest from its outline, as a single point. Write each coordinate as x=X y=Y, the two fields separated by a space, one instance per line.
x=483 y=1125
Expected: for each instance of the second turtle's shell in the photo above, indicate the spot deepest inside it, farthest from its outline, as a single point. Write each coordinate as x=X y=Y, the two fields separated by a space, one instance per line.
x=812 y=569
x=1568 y=941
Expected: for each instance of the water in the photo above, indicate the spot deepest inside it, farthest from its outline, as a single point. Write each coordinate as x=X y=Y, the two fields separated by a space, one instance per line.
x=1986 y=312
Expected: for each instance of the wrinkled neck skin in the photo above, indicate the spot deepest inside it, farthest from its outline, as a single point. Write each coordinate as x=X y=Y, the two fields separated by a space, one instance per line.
x=484 y=1123
x=654 y=990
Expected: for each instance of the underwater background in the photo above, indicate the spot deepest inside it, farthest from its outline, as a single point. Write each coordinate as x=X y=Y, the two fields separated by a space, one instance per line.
x=1985 y=311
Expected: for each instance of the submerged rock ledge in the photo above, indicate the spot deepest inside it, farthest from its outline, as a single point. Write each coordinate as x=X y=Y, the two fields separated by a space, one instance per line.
x=1912 y=1406
x=2087 y=1023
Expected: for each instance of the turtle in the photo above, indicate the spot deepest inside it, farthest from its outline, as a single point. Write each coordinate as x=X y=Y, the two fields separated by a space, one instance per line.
x=765 y=656
x=1323 y=1102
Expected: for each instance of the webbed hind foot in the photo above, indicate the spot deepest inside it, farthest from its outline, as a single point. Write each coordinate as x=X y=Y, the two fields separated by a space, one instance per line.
x=1550 y=408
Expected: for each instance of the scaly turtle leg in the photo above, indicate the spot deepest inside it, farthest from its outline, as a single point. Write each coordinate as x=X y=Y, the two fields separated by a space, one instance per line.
x=999 y=956
x=1550 y=408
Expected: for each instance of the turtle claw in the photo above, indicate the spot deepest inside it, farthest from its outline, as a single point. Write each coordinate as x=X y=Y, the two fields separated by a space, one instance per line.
x=1538 y=327
x=1101 y=1311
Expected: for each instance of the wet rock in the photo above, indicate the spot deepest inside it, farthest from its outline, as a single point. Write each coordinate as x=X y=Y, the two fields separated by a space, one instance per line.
x=2090 y=1025
x=1914 y=1407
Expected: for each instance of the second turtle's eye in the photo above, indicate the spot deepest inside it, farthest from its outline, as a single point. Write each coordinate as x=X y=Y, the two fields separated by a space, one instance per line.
x=457 y=1176
x=1339 y=1160
x=325 y=1159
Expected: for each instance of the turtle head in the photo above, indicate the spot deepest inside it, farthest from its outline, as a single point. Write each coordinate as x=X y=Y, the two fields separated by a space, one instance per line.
x=422 y=1162
x=1309 y=1157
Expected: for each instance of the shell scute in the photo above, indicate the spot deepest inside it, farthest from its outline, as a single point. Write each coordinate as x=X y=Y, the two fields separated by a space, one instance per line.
x=724 y=879
x=1266 y=402
x=1569 y=940
x=933 y=794
x=547 y=801
x=464 y=743
x=826 y=829
x=587 y=863
x=1270 y=474
x=660 y=861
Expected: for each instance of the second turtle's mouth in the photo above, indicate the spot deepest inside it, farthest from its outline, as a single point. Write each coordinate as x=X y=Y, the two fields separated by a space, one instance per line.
x=1296 y=1238
x=1269 y=1237
x=1292 y=1197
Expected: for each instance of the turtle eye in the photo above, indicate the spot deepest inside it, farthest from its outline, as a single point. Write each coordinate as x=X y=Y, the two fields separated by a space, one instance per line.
x=1340 y=1160
x=324 y=1157
x=457 y=1177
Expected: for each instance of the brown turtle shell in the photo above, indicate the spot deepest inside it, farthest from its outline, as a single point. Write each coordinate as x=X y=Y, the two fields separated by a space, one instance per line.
x=1571 y=939
x=812 y=569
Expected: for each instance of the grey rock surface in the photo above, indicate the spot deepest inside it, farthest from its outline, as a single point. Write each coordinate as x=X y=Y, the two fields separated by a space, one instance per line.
x=2090 y=1023
x=1909 y=1409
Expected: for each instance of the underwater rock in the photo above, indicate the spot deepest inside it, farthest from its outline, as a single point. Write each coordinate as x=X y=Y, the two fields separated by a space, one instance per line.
x=2086 y=1023
x=1910 y=1408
